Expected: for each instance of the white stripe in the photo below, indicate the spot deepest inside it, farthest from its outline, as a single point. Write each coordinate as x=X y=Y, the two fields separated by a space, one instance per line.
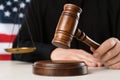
x=4 y=46
x=9 y=29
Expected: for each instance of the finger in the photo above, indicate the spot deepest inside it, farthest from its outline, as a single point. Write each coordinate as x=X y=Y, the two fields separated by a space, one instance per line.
x=115 y=66
x=104 y=47
x=92 y=49
x=113 y=61
x=75 y=57
x=111 y=53
x=100 y=64
x=88 y=63
x=87 y=57
x=90 y=58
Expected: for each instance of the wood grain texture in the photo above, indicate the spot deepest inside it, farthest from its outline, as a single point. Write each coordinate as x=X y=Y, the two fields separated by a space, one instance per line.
x=60 y=68
x=67 y=28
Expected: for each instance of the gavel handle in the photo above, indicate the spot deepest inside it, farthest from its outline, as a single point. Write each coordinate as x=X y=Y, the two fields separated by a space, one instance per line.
x=81 y=36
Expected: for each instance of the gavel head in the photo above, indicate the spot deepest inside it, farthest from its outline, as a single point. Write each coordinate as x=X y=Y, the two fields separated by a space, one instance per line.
x=67 y=26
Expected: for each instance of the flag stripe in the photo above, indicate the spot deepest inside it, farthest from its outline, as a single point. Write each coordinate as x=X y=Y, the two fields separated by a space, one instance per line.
x=9 y=29
x=11 y=17
x=7 y=38
x=5 y=56
x=4 y=46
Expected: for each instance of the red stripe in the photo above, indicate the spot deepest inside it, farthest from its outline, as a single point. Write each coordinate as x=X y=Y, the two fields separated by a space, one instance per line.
x=5 y=56
x=7 y=38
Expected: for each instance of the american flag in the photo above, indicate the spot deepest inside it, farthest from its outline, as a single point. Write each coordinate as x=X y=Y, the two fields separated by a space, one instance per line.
x=11 y=16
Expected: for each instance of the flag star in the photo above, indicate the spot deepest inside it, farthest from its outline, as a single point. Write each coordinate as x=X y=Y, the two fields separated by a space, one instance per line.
x=15 y=9
x=7 y=14
x=21 y=15
x=27 y=1
x=2 y=7
x=15 y=0
x=8 y=3
x=22 y=5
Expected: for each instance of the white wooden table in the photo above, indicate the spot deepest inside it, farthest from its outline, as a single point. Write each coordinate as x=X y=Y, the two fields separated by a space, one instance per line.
x=16 y=70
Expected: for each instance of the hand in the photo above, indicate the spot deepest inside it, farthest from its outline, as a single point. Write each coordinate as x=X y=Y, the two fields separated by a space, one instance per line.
x=75 y=54
x=109 y=53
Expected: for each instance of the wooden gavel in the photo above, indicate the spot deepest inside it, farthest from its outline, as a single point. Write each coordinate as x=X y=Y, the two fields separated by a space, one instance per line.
x=67 y=28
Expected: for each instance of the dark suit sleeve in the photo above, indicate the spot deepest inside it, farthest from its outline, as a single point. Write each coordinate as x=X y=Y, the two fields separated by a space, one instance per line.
x=34 y=25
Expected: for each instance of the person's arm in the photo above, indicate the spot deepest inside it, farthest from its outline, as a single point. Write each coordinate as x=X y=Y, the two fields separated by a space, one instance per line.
x=34 y=20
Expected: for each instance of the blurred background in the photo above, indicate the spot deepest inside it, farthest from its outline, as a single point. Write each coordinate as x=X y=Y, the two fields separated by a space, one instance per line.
x=11 y=16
